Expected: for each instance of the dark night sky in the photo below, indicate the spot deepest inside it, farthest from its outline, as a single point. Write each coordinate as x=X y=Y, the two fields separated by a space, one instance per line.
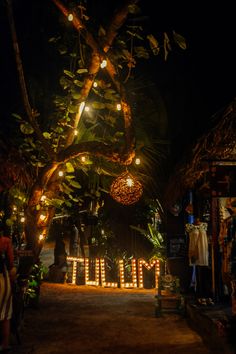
x=201 y=79
x=195 y=83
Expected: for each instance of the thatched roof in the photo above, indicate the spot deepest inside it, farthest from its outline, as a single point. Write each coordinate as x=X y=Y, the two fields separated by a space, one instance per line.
x=218 y=143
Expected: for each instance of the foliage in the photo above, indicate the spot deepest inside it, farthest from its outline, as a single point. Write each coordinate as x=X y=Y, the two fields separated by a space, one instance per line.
x=156 y=238
x=76 y=134
x=35 y=279
x=104 y=244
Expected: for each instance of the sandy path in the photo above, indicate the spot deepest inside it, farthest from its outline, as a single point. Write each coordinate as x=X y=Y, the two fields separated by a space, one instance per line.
x=81 y=319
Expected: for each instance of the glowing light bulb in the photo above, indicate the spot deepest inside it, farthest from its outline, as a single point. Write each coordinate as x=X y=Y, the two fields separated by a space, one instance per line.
x=22 y=219
x=129 y=182
x=41 y=237
x=43 y=198
x=75 y=132
x=42 y=217
x=103 y=64
x=81 y=108
x=83 y=158
x=86 y=108
x=95 y=84
x=70 y=17
x=118 y=107
x=137 y=161
x=60 y=173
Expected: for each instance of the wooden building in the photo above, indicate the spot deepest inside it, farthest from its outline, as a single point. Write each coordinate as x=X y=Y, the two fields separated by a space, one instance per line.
x=204 y=186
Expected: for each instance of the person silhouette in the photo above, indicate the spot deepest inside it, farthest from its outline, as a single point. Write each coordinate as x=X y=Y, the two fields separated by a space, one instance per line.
x=74 y=241
x=7 y=277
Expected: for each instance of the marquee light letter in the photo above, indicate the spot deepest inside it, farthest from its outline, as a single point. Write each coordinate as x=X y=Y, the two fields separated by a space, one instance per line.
x=100 y=271
x=141 y=263
x=134 y=283
x=75 y=261
x=97 y=268
x=103 y=276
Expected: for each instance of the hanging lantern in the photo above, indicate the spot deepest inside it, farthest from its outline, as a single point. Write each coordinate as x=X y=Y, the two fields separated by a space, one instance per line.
x=126 y=189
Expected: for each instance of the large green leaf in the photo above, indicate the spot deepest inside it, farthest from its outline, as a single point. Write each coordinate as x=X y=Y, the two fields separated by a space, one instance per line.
x=66 y=189
x=180 y=40
x=141 y=52
x=69 y=73
x=26 y=128
x=69 y=167
x=17 y=116
x=82 y=71
x=75 y=184
x=98 y=105
x=47 y=135
x=154 y=44
x=56 y=202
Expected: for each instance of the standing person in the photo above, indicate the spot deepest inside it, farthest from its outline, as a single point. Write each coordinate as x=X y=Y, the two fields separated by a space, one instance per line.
x=7 y=272
x=74 y=241
x=60 y=263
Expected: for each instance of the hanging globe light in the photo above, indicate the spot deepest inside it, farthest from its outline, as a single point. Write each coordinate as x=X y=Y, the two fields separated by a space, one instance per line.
x=126 y=189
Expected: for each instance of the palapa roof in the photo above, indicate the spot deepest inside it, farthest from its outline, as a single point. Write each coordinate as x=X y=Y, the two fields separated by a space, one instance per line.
x=217 y=144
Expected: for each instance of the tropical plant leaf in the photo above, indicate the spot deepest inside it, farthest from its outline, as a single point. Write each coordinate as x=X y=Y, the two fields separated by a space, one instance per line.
x=75 y=184
x=167 y=46
x=154 y=44
x=180 y=40
x=69 y=167
x=26 y=128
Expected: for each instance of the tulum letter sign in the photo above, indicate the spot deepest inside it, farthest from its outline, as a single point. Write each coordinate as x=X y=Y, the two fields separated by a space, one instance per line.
x=100 y=273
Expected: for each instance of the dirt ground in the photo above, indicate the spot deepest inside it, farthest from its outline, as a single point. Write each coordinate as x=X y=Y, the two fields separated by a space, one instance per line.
x=81 y=319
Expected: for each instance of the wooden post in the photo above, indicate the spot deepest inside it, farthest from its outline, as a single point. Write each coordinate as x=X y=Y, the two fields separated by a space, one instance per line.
x=214 y=265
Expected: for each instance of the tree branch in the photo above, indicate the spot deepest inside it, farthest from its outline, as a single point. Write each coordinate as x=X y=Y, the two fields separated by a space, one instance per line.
x=116 y=23
x=98 y=149
x=29 y=111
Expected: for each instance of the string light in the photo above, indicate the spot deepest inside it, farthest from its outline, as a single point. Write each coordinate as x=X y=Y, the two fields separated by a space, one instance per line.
x=81 y=108
x=22 y=219
x=103 y=64
x=83 y=158
x=60 y=173
x=137 y=161
x=87 y=108
x=70 y=17
x=43 y=198
x=75 y=132
x=41 y=237
x=118 y=107
x=95 y=84
x=42 y=217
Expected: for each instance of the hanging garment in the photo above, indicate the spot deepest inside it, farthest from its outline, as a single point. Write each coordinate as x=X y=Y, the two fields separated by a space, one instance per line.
x=198 y=244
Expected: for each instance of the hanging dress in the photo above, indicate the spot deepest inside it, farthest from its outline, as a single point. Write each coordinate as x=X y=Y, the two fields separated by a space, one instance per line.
x=198 y=244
